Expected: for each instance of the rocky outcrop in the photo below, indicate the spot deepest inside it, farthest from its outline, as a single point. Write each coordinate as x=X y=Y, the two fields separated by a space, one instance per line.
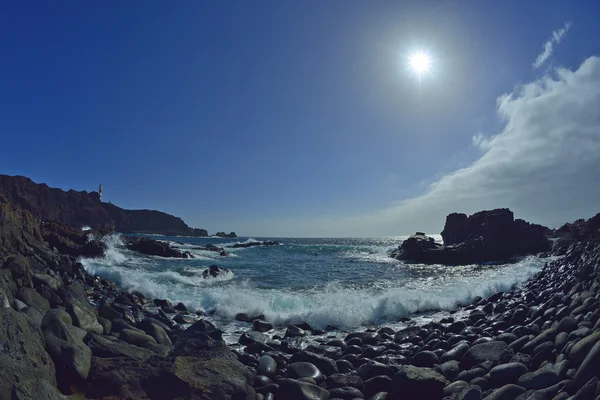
x=150 y=221
x=226 y=235
x=484 y=236
x=80 y=208
x=215 y=271
x=71 y=241
x=153 y=247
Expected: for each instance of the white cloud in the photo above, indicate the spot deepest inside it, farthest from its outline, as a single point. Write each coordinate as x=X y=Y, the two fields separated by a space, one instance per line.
x=548 y=47
x=544 y=165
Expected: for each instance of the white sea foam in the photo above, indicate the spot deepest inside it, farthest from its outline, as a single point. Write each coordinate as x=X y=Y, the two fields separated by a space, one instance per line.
x=86 y=228
x=429 y=288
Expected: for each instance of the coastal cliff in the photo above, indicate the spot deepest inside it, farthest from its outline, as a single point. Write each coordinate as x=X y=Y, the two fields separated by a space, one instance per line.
x=81 y=208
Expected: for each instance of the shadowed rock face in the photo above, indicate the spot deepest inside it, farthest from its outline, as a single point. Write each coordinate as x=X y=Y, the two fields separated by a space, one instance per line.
x=484 y=236
x=77 y=209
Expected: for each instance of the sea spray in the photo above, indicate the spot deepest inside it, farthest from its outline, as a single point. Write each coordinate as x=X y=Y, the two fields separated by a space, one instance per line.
x=348 y=283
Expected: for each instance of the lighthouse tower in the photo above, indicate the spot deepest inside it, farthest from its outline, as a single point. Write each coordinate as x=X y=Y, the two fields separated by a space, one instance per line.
x=100 y=192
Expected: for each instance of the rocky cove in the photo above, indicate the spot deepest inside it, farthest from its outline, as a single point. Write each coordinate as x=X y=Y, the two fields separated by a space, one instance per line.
x=68 y=334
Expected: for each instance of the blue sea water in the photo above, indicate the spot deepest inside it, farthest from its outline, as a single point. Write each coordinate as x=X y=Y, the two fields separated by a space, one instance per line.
x=347 y=283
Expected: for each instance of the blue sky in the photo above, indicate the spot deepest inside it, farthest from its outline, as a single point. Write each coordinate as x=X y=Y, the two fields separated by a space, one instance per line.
x=301 y=118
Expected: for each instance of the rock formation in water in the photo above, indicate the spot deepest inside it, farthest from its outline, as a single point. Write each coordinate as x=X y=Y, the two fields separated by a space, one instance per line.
x=482 y=237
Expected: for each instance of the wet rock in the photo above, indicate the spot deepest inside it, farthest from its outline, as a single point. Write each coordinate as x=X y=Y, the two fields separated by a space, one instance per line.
x=580 y=350
x=341 y=380
x=588 y=368
x=168 y=378
x=346 y=393
x=376 y=384
x=24 y=363
x=456 y=353
x=542 y=378
x=267 y=366
x=507 y=392
x=326 y=365
x=467 y=393
x=297 y=370
x=64 y=343
x=495 y=351
x=248 y=338
x=135 y=337
x=33 y=299
x=294 y=331
x=414 y=383
x=365 y=337
x=508 y=373
x=450 y=369
x=425 y=359
x=107 y=346
x=158 y=333
x=261 y=326
x=296 y=390
x=372 y=369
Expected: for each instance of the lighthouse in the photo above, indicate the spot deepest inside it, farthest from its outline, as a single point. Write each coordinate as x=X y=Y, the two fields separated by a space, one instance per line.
x=100 y=191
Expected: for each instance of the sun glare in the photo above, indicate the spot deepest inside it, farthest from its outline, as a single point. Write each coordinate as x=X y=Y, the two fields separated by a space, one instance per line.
x=420 y=62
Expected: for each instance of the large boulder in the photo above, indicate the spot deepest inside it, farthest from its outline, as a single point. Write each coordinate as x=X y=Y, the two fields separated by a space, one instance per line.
x=496 y=352
x=484 y=236
x=414 y=383
x=64 y=343
x=27 y=369
x=81 y=312
x=202 y=339
x=109 y=346
x=169 y=378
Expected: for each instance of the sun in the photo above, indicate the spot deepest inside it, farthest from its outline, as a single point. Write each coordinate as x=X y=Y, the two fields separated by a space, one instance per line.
x=420 y=62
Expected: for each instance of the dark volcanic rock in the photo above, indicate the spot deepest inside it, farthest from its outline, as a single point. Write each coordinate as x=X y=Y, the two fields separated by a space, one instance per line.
x=226 y=235
x=215 y=271
x=152 y=247
x=414 y=383
x=169 y=378
x=495 y=351
x=484 y=236
x=23 y=359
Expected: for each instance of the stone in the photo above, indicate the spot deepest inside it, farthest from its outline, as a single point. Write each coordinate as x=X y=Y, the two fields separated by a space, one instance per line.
x=158 y=333
x=580 y=350
x=267 y=366
x=252 y=337
x=64 y=343
x=455 y=353
x=341 y=380
x=84 y=317
x=495 y=351
x=467 y=393
x=45 y=279
x=507 y=392
x=588 y=368
x=297 y=370
x=33 y=299
x=542 y=378
x=107 y=346
x=326 y=365
x=450 y=369
x=415 y=383
x=346 y=393
x=376 y=384
x=24 y=362
x=135 y=337
x=372 y=369
x=170 y=378
x=508 y=373
x=296 y=390
x=294 y=331
x=261 y=326
x=425 y=359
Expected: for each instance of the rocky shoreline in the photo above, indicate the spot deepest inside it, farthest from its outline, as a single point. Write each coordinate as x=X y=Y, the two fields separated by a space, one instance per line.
x=67 y=334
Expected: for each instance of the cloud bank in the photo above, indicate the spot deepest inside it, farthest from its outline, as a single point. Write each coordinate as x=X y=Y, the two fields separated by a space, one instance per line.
x=548 y=47
x=544 y=165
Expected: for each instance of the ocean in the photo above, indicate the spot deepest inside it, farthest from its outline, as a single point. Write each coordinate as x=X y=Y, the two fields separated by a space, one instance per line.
x=348 y=283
